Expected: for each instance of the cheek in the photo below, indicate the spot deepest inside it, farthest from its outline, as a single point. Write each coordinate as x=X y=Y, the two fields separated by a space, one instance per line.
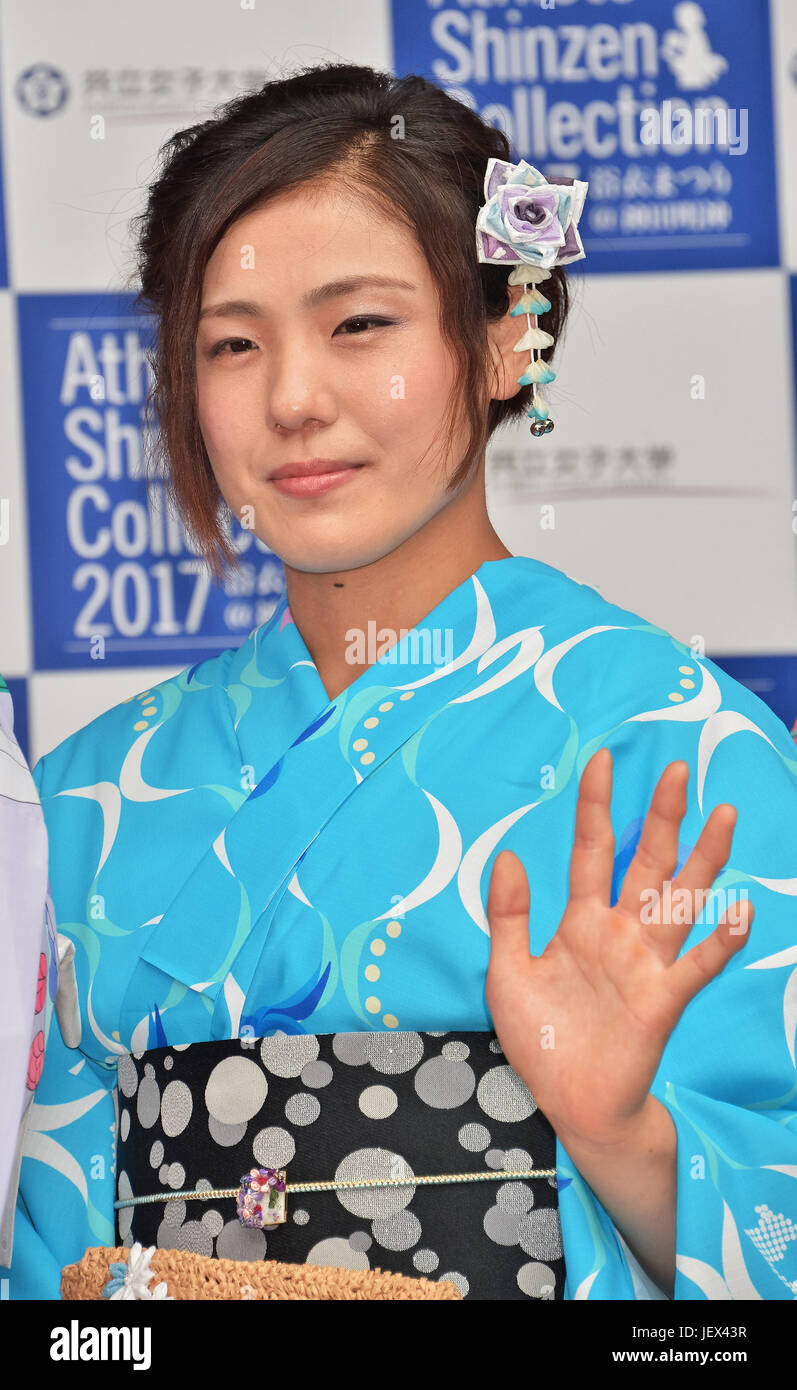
x=222 y=417
x=411 y=393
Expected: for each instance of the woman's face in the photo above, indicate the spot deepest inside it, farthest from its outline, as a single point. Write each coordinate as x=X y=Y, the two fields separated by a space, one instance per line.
x=359 y=375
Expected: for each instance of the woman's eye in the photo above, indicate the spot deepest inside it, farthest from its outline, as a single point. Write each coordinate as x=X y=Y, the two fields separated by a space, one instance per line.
x=239 y=347
x=218 y=350
x=364 y=318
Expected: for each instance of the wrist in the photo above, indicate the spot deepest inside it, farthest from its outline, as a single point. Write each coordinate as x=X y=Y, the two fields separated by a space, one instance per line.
x=646 y=1130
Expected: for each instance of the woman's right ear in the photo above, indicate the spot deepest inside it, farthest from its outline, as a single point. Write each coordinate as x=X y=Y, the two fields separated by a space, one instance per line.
x=503 y=333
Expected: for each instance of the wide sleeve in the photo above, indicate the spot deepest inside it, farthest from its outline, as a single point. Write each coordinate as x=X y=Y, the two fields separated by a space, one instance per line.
x=66 y=1180
x=727 y=1075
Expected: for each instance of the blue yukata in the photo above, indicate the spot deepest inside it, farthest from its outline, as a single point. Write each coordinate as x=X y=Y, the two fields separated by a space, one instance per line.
x=226 y=848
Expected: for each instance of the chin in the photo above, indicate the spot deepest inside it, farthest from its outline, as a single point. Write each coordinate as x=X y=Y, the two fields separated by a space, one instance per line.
x=333 y=558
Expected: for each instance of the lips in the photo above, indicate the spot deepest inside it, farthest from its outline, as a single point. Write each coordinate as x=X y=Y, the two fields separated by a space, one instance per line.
x=311 y=468
x=313 y=477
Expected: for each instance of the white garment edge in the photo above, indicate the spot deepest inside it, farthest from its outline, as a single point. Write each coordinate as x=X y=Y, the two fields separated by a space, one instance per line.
x=67 y=1011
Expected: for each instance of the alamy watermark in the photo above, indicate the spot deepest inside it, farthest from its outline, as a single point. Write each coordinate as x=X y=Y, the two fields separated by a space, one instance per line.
x=76 y=1343
x=673 y=125
x=683 y=906
x=432 y=646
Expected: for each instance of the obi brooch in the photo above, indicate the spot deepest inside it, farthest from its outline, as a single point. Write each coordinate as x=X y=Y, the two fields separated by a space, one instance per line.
x=261 y=1197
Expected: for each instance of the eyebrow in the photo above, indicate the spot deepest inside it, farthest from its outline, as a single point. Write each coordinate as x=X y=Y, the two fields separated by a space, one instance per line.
x=247 y=308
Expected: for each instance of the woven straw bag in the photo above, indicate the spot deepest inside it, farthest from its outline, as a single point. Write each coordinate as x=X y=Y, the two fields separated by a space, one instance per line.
x=190 y=1276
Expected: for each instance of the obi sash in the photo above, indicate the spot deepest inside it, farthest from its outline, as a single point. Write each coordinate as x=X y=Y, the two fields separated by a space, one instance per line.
x=344 y=1107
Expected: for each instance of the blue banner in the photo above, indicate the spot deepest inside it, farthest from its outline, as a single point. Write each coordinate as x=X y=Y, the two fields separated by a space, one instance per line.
x=664 y=108
x=113 y=577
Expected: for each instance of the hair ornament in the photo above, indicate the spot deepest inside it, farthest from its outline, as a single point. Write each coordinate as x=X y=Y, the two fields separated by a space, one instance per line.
x=532 y=223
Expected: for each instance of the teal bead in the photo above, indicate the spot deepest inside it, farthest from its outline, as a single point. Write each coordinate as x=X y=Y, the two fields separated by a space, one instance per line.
x=538 y=308
x=547 y=374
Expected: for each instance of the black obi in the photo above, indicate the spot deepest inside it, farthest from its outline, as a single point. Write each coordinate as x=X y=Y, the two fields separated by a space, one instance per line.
x=346 y=1106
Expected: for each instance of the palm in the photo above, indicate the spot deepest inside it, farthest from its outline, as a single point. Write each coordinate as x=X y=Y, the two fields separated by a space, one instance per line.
x=585 y=1023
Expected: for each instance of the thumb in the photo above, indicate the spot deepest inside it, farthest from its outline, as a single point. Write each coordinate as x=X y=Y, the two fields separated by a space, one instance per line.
x=508 y=911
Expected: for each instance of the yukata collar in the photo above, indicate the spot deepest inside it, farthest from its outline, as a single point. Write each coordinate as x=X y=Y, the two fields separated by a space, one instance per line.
x=306 y=755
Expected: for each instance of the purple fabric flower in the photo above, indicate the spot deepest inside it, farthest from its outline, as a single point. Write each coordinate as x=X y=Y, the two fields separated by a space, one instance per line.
x=528 y=219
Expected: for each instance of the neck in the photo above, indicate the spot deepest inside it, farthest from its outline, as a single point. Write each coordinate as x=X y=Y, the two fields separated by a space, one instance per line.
x=396 y=591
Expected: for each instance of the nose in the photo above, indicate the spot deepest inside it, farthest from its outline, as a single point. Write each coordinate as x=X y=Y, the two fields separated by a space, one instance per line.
x=298 y=394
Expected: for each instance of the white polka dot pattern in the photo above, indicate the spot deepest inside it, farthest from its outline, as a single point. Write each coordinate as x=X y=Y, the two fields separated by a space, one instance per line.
x=351 y=1107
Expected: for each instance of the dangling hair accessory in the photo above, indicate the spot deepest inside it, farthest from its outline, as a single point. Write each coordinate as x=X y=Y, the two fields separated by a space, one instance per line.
x=530 y=222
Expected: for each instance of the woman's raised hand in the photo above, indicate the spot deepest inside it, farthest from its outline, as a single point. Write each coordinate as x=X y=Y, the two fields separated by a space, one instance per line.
x=585 y=1023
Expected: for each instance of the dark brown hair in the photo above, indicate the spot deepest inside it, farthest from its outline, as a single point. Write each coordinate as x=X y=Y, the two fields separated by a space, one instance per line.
x=331 y=122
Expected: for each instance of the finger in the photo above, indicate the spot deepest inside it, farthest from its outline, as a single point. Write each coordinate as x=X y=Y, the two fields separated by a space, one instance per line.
x=508 y=912
x=707 y=958
x=592 y=856
x=656 y=854
x=691 y=890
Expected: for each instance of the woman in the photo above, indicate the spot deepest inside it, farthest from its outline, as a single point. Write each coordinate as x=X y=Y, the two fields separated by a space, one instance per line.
x=325 y=913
